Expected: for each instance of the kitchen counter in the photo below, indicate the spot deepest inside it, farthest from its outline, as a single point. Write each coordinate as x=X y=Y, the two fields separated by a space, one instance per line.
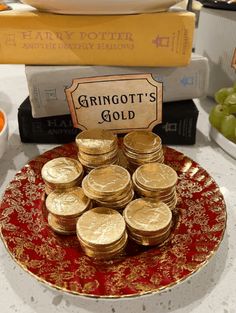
x=212 y=289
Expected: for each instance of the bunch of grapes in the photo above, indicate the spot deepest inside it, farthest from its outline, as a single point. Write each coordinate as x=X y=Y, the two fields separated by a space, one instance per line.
x=223 y=114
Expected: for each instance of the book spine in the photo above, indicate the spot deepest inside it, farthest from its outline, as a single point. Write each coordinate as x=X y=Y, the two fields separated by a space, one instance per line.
x=47 y=83
x=155 y=39
x=179 y=129
x=58 y=130
x=179 y=123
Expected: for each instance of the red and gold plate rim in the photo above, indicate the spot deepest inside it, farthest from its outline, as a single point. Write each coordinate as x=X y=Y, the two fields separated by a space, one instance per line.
x=59 y=262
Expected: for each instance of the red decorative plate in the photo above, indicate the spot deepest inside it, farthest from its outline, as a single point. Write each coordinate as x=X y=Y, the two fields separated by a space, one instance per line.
x=200 y=221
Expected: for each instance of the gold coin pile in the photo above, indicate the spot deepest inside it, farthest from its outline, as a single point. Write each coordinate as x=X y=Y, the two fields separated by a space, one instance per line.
x=97 y=147
x=109 y=186
x=101 y=233
x=148 y=221
x=64 y=209
x=156 y=180
x=141 y=147
x=61 y=173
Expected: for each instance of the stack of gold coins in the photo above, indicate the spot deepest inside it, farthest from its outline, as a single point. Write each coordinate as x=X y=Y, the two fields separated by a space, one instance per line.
x=101 y=233
x=148 y=221
x=156 y=180
x=62 y=173
x=97 y=147
x=110 y=186
x=64 y=209
x=141 y=147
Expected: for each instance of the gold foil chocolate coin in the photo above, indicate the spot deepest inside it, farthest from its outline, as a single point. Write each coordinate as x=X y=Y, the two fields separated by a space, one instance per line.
x=100 y=226
x=56 y=227
x=106 y=249
x=147 y=215
x=141 y=158
x=48 y=189
x=67 y=203
x=141 y=147
x=92 y=194
x=108 y=179
x=95 y=164
x=153 y=176
x=98 y=158
x=118 y=204
x=148 y=240
x=142 y=141
x=105 y=255
x=62 y=171
x=96 y=141
x=158 y=234
x=163 y=193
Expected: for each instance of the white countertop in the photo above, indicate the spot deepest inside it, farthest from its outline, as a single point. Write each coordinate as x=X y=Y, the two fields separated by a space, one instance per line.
x=212 y=289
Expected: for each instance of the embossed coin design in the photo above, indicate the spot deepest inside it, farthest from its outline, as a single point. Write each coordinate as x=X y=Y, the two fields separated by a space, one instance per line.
x=69 y=203
x=155 y=176
x=100 y=226
x=62 y=171
x=142 y=141
x=163 y=193
x=147 y=215
x=109 y=179
x=96 y=141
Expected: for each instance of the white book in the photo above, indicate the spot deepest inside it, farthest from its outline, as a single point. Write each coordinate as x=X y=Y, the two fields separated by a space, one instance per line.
x=47 y=83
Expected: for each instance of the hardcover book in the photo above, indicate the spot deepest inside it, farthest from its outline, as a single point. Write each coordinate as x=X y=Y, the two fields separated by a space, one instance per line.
x=47 y=83
x=154 y=39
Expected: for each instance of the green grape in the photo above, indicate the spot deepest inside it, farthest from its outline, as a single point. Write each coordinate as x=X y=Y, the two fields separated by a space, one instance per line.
x=218 y=112
x=234 y=86
x=222 y=94
x=230 y=101
x=228 y=127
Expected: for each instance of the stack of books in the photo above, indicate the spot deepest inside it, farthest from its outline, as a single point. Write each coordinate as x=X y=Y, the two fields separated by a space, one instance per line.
x=60 y=48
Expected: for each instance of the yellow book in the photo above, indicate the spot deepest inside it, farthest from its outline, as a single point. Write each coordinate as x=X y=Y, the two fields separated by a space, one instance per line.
x=154 y=39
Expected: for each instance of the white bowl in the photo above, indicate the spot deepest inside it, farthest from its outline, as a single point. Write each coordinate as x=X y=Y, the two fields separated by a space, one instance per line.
x=227 y=145
x=101 y=6
x=3 y=135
